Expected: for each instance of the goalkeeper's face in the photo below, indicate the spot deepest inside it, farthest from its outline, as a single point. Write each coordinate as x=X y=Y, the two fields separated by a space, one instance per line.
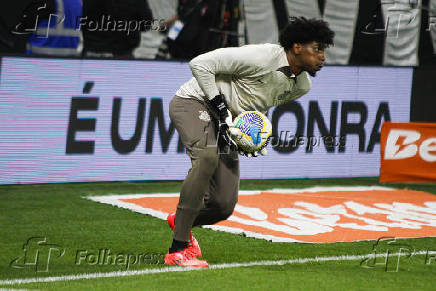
x=310 y=57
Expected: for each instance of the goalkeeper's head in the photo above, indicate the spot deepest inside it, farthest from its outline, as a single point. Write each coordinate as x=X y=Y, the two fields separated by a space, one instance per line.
x=305 y=41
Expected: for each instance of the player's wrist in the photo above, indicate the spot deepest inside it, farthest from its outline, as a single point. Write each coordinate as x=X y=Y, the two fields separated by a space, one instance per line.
x=219 y=103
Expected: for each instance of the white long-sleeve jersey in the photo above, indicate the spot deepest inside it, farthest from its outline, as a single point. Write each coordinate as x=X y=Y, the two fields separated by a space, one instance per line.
x=248 y=76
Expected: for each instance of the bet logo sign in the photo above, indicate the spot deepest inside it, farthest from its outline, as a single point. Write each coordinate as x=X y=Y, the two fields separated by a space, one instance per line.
x=408 y=152
x=403 y=144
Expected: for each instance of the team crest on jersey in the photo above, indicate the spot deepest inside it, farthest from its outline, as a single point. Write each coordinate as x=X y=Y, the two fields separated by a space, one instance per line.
x=204 y=115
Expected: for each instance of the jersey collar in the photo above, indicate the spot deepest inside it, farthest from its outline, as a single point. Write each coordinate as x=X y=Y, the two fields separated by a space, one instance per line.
x=284 y=65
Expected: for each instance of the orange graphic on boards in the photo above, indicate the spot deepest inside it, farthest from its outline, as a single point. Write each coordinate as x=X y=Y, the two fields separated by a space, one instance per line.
x=318 y=216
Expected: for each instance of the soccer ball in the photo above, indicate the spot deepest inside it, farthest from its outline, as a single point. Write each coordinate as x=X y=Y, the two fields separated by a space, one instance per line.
x=254 y=131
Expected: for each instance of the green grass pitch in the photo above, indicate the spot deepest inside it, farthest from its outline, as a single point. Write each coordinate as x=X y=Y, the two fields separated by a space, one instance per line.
x=59 y=213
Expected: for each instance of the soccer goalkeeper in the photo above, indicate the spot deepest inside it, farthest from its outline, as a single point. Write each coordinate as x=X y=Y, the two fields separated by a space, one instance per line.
x=226 y=82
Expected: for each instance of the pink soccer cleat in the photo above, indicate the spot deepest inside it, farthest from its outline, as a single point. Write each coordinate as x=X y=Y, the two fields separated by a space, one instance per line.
x=185 y=258
x=193 y=245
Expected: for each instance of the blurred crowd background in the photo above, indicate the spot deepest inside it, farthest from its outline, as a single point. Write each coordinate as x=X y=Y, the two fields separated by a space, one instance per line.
x=368 y=32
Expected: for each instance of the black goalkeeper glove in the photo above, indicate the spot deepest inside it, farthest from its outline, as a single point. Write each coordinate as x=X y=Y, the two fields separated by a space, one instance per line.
x=225 y=124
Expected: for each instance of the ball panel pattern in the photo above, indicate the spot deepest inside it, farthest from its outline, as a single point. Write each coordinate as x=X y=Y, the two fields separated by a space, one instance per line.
x=255 y=128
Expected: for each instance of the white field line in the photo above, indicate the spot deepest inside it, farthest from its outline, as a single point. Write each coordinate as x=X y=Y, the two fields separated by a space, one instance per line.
x=182 y=269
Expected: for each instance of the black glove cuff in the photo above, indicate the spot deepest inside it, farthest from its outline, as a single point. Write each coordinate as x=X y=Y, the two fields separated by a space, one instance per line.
x=219 y=103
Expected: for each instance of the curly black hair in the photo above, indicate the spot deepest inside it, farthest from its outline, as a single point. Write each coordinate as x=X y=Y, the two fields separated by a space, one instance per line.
x=303 y=30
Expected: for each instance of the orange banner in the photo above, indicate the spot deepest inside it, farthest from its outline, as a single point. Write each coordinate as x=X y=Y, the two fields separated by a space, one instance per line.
x=408 y=152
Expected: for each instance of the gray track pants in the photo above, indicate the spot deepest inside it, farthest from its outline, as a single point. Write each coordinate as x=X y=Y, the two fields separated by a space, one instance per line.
x=210 y=190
